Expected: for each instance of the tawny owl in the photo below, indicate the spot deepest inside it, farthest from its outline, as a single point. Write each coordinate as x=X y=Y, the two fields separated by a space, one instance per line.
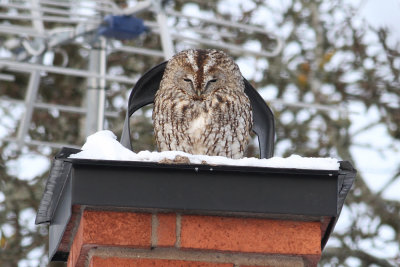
x=201 y=107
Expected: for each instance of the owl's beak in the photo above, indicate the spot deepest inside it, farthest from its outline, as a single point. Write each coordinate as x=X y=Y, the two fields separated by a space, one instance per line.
x=198 y=95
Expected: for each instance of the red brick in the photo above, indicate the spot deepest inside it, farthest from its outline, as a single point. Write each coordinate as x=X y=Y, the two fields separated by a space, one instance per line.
x=76 y=247
x=130 y=262
x=250 y=235
x=166 y=231
x=116 y=228
x=104 y=228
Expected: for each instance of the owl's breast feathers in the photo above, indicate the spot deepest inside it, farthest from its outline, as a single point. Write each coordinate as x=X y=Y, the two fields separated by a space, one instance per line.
x=220 y=126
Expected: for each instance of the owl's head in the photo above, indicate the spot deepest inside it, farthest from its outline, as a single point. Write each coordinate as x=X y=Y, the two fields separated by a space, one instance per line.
x=199 y=73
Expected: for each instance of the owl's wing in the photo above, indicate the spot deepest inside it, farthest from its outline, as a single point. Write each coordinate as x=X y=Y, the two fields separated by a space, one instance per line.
x=142 y=94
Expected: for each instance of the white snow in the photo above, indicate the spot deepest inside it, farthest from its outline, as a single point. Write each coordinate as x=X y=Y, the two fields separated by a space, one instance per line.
x=104 y=146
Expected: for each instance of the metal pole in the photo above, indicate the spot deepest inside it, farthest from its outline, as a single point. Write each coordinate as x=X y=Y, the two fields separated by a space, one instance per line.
x=7 y=77
x=35 y=12
x=102 y=83
x=27 y=67
x=95 y=96
x=92 y=95
x=30 y=99
x=33 y=86
x=166 y=40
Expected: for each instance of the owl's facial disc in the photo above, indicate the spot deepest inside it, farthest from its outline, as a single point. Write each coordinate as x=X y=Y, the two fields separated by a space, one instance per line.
x=199 y=82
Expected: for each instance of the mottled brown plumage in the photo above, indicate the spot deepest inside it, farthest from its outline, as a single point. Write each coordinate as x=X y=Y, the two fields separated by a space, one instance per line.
x=201 y=107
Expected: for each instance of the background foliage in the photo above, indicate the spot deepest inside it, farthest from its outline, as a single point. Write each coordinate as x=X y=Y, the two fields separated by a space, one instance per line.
x=339 y=75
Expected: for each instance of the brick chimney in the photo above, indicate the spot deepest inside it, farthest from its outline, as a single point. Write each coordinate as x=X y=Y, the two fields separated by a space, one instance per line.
x=114 y=238
x=115 y=213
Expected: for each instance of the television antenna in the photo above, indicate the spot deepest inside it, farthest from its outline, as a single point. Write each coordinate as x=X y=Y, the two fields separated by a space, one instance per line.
x=26 y=46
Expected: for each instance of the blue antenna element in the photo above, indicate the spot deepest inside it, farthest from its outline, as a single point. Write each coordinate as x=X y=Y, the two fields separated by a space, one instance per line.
x=121 y=27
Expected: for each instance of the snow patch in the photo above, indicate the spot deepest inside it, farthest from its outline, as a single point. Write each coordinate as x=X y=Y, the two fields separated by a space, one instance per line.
x=103 y=145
